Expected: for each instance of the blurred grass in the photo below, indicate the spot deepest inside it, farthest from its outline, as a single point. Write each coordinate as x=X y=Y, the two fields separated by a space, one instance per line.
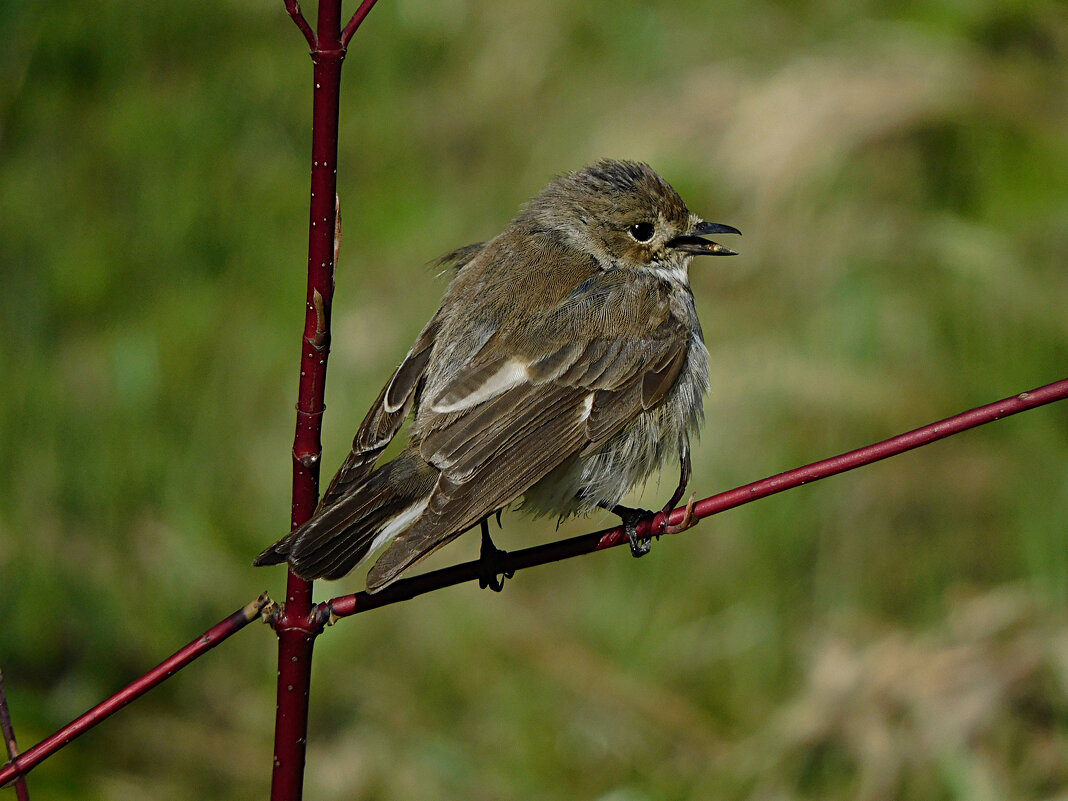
x=900 y=172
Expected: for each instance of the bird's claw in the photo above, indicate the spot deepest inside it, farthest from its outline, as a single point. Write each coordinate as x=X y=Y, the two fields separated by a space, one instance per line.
x=638 y=547
x=494 y=579
x=631 y=518
x=490 y=575
x=493 y=582
x=689 y=520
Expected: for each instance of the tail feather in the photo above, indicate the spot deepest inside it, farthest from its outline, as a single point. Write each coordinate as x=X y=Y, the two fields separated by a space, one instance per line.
x=340 y=535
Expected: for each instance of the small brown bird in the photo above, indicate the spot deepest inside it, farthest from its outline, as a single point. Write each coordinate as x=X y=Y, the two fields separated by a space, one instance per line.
x=566 y=363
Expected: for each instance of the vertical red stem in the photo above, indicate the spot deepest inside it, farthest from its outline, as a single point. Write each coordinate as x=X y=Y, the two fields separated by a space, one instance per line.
x=298 y=626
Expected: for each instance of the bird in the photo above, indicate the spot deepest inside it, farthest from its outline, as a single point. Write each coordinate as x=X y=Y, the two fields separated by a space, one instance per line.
x=565 y=365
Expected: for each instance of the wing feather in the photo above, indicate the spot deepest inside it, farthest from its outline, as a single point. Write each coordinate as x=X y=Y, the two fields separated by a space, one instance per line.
x=385 y=417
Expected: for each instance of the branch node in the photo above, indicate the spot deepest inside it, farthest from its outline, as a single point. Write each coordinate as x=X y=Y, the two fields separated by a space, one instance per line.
x=322 y=336
x=269 y=610
x=285 y=619
x=308 y=417
x=326 y=615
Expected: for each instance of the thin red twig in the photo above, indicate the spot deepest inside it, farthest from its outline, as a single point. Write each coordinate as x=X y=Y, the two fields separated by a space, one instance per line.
x=27 y=760
x=293 y=7
x=599 y=540
x=22 y=792
x=356 y=21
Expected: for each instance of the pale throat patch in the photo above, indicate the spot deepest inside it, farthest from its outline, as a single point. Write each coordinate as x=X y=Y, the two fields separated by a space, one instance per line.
x=673 y=273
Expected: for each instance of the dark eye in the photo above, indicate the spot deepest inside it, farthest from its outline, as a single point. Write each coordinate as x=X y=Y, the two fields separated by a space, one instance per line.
x=642 y=231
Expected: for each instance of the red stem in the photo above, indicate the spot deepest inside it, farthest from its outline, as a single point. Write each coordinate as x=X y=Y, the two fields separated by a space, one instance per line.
x=27 y=760
x=599 y=540
x=298 y=624
x=293 y=7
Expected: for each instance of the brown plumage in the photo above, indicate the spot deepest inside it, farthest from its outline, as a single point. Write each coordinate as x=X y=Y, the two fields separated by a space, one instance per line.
x=565 y=364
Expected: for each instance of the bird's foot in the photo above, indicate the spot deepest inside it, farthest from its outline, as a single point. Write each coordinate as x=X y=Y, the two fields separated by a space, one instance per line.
x=491 y=575
x=688 y=521
x=630 y=519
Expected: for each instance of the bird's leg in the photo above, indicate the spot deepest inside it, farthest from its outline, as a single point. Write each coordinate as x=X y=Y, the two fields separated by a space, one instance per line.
x=689 y=520
x=632 y=517
x=489 y=559
x=684 y=476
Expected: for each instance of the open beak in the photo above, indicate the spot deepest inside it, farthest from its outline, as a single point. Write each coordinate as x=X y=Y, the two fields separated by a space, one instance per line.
x=693 y=243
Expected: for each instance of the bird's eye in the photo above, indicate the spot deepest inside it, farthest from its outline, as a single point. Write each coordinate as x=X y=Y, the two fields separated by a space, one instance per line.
x=642 y=231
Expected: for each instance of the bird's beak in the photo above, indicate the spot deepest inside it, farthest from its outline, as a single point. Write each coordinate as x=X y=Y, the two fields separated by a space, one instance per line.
x=693 y=243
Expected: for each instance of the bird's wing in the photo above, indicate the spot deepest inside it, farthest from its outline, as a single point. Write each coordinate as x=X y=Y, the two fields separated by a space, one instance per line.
x=395 y=401
x=503 y=423
x=385 y=417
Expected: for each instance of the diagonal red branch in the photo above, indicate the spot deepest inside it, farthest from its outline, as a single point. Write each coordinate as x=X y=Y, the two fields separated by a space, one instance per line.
x=27 y=760
x=356 y=21
x=599 y=540
x=293 y=7
x=22 y=792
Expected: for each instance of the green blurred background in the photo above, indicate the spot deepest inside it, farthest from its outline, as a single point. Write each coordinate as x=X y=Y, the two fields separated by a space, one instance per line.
x=900 y=171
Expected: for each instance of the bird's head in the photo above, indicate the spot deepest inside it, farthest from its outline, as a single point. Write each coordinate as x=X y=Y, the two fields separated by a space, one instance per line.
x=626 y=216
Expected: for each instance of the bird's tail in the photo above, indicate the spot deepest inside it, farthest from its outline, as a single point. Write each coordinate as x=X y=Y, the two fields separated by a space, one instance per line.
x=368 y=515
